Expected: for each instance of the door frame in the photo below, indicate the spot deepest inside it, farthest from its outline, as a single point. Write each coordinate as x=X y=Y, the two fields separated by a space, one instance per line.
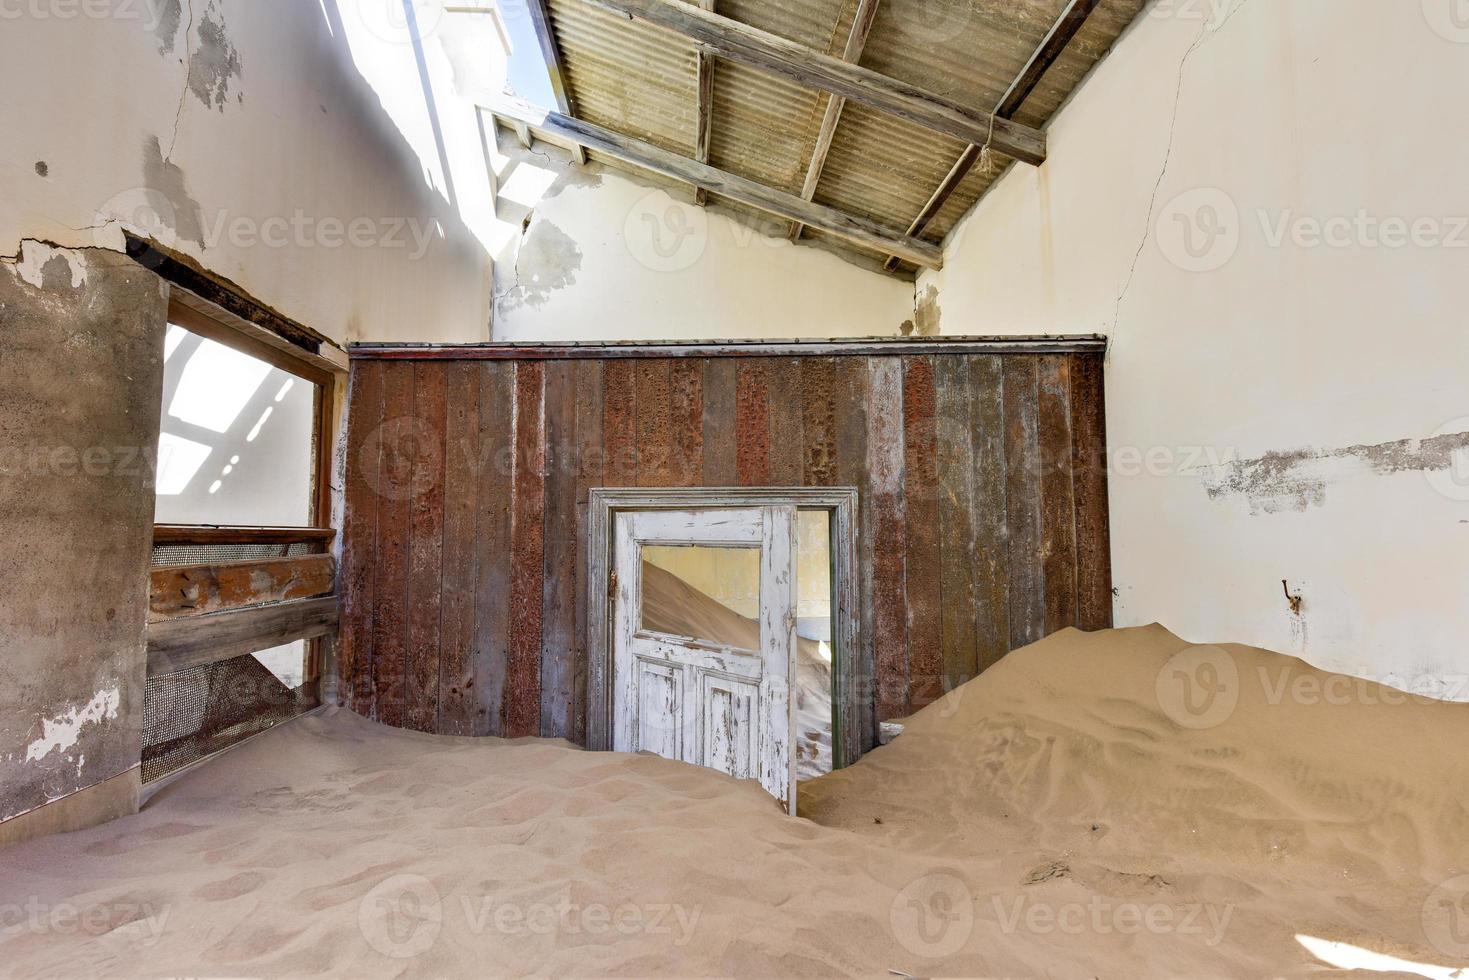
x=841 y=502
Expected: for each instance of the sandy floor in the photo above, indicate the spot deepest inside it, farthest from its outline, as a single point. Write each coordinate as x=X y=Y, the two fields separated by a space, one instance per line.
x=1081 y=810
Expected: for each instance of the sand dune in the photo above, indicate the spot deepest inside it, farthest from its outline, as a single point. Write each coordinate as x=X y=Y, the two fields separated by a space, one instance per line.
x=1077 y=811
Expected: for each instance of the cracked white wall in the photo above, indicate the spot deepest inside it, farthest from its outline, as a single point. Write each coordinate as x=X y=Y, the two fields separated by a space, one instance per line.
x=1262 y=204
x=314 y=153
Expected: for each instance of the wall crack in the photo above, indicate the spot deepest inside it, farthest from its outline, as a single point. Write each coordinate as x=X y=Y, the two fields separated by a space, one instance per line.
x=1204 y=34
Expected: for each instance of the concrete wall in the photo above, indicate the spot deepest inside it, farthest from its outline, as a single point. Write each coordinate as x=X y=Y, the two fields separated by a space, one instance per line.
x=82 y=364
x=1263 y=204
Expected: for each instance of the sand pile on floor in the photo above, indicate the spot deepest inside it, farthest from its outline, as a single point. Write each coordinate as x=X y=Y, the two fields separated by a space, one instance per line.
x=1108 y=805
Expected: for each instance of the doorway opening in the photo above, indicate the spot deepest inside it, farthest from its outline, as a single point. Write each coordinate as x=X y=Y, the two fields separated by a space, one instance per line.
x=722 y=629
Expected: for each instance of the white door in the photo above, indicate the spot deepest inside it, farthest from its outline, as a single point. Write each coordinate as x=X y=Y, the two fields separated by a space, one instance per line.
x=704 y=628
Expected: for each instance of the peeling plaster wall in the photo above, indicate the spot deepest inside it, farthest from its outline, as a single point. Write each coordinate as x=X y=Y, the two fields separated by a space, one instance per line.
x=595 y=253
x=1264 y=206
x=81 y=364
x=323 y=156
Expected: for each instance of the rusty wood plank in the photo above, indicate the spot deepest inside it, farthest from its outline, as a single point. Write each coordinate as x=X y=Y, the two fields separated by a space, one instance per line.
x=818 y=421
x=752 y=424
x=889 y=527
x=462 y=486
x=194 y=534
x=522 y=707
x=492 y=546
x=653 y=382
x=425 y=551
x=720 y=408
x=558 y=605
x=394 y=480
x=178 y=644
x=686 y=418
x=620 y=424
x=787 y=449
x=359 y=532
x=1058 y=509
x=738 y=349
x=1093 y=535
x=923 y=576
x=1023 y=500
x=857 y=714
x=589 y=459
x=989 y=516
x=193 y=590
x=958 y=559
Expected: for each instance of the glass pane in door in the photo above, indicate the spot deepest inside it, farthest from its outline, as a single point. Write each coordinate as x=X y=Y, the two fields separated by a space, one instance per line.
x=708 y=594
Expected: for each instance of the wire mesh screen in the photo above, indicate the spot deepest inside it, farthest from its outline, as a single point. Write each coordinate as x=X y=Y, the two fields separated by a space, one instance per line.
x=196 y=712
x=175 y=555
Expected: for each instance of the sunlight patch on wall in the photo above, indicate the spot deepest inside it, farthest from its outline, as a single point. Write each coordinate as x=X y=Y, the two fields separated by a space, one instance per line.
x=178 y=460
x=216 y=385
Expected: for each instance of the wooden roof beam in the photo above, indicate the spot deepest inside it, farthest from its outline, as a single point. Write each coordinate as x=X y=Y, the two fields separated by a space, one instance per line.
x=1066 y=27
x=856 y=41
x=705 y=112
x=816 y=69
x=540 y=18
x=783 y=204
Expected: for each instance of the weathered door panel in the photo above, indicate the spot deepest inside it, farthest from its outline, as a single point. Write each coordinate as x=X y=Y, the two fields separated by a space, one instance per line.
x=700 y=686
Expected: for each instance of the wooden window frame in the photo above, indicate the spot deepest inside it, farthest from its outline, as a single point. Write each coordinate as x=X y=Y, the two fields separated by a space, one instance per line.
x=193 y=314
x=324 y=381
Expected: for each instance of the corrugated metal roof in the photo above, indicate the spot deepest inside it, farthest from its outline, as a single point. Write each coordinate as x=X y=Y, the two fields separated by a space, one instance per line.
x=640 y=80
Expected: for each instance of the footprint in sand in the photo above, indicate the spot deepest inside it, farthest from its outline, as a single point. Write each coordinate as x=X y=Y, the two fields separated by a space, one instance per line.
x=230 y=888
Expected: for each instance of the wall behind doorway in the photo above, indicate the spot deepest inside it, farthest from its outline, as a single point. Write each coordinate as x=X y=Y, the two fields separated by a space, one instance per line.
x=982 y=519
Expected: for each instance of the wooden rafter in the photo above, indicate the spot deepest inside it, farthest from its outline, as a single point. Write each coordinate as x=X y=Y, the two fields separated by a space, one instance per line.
x=783 y=204
x=856 y=41
x=705 y=110
x=1060 y=35
x=816 y=69
x=540 y=18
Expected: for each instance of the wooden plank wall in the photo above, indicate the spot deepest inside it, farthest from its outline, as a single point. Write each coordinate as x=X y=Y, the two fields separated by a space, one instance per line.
x=983 y=512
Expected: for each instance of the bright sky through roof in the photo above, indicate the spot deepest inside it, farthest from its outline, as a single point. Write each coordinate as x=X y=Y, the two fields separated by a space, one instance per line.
x=529 y=77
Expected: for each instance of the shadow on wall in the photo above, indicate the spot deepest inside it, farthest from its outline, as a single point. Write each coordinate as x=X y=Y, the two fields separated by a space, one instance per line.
x=423 y=187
